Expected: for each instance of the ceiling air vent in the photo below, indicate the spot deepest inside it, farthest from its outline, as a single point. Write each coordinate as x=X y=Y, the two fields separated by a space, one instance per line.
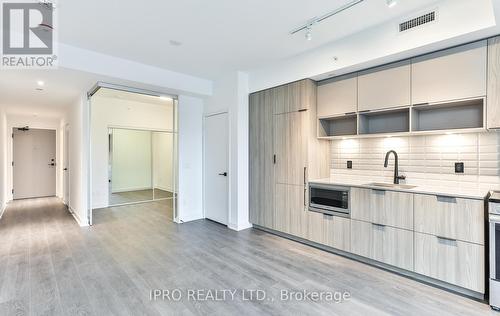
x=418 y=21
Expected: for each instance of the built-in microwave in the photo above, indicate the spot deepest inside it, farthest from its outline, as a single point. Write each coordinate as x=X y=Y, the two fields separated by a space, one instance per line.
x=328 y=199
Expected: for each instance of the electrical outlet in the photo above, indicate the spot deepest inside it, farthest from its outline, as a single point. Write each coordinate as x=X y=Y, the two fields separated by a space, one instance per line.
x=349 y=164
x=459 y=167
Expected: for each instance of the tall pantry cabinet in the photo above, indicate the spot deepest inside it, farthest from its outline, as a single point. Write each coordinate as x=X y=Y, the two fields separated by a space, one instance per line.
x=284 y=154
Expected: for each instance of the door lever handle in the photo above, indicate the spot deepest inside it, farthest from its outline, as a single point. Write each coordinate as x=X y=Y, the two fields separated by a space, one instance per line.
x=223 y=174
x=52 y=164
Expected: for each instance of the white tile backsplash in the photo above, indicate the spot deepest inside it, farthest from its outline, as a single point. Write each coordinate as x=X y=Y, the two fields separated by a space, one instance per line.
x=424 y=159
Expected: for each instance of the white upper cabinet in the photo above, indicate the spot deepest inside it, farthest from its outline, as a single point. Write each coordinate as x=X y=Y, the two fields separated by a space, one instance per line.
x=452 y=74
x=338 y=96
x=384 y=87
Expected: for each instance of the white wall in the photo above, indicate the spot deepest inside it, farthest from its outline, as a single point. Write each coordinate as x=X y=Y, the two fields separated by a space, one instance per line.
x=114 y=112
x=3 y=161
x=231 y=95
x=139 y=75
x=190 y=204
x=163 y=162
x=131 y=161
x=77 y=120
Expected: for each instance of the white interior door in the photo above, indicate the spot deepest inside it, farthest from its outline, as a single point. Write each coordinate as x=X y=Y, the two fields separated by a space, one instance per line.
x=34 y=169
x=216 y=168
x=66 y=165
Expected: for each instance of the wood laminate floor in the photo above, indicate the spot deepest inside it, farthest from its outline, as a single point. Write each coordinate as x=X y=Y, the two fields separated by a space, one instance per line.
x=51 y=266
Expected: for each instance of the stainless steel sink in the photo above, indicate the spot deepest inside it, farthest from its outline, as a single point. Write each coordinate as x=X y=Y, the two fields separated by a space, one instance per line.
x=391 y=185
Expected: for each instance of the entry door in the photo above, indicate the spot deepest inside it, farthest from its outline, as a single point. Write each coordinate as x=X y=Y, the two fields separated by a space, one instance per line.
x=34 y=170
x=216 y=168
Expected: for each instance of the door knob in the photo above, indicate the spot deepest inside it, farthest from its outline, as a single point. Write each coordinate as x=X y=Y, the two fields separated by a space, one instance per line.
x=223 y=174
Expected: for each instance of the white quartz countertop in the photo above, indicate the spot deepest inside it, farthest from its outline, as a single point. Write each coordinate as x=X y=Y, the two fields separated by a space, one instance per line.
x=420 y=189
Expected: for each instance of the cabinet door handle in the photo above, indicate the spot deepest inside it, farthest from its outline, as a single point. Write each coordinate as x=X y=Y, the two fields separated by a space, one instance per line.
x=274 y=159
x=446 y=238
x=305 y=186
x=446 y=199
x=379 y=225
x=305 y=176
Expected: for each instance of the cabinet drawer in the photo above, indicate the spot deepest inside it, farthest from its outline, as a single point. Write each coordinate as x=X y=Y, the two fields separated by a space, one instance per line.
x=451 y=261
x=386 y=244
x=449 y=217
x=382 y=207
x=331 y=231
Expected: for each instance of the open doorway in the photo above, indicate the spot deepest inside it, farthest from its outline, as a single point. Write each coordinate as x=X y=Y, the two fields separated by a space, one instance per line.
x=33 y=163
x=140 y=166
x=133 y=140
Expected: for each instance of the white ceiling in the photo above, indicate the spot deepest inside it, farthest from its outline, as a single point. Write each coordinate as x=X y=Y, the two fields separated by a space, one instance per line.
x=62 y=87
x=216 y=35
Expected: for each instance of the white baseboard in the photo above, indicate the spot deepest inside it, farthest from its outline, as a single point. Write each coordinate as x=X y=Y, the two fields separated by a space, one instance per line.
x=240 y=227
x=2 y=209
x=122 y=190
x=190 y=218
x=163 y=188
x=77 y=218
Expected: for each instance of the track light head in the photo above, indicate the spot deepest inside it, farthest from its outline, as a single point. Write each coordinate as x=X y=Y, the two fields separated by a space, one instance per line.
x=391 y=3
x=309 y=34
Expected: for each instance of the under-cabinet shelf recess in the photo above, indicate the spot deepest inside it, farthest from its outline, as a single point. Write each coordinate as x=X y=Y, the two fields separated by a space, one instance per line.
x=381 y=122
x=346 y=125
x=461 y=114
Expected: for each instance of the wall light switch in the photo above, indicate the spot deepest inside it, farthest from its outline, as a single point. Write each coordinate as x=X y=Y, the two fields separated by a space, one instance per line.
x=459 y=167
x=349 y=164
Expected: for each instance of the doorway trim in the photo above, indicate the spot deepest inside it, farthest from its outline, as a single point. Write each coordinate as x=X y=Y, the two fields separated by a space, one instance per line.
x=88 y=136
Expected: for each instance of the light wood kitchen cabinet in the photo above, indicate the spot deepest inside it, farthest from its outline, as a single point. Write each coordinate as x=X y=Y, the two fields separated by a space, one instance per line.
x=386 y=244
x=338 y=232
x=450 y=217
x=385 y=87
x=261 y=167
x=333 y=231
x=452 y=74
x=451 y=261
x=293 y=97
x=287 y=143
x=382 y=207
x=291 y=141
x=493 y=96
x=291 y=215
x=338 y=96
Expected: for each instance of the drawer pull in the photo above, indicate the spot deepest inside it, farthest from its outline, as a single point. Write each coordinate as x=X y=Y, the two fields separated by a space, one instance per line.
x=378 y=225
x=446 y=238
x=446 y=199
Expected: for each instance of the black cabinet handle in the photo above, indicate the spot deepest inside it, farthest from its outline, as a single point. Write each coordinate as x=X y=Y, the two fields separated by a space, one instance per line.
x=223 y=174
